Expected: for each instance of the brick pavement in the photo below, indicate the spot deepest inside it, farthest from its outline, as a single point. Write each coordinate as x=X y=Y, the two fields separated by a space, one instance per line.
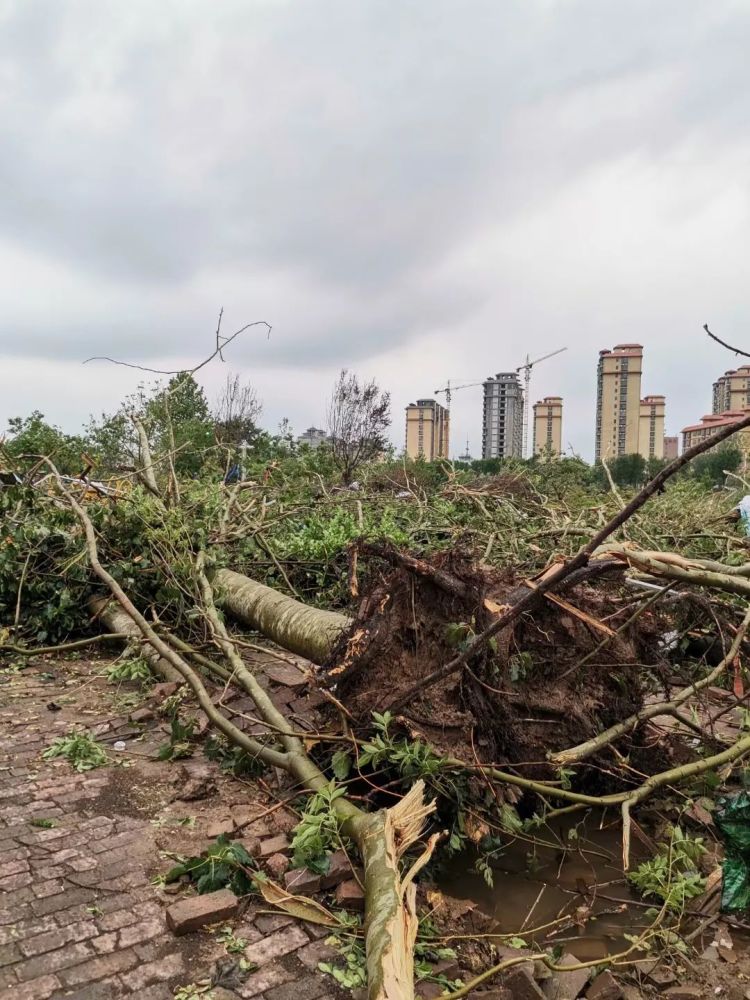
x=79 y=917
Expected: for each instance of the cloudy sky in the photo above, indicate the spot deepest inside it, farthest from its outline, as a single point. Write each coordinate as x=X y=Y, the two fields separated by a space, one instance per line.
x=417 y=190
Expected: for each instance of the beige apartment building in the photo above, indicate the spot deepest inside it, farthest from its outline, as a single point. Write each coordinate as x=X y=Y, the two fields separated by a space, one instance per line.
x=671 y=447
x=651 y=427
x=618 y=401
x=731 y=391
x=714 y=422
x=548 y=427
x=427 y=430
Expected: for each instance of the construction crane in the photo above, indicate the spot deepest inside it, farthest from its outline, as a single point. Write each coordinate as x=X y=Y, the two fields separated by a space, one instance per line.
x=526 y=369
x=449 y=389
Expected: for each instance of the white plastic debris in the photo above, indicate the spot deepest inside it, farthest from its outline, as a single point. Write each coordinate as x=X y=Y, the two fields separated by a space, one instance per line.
x=120 y=746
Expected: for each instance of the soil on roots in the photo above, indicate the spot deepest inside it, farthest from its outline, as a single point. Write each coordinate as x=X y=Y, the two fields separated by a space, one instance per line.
x=526 y=694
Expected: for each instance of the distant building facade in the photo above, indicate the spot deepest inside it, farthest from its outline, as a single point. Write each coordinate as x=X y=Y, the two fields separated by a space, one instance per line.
x=671 y=447
x=731 y=391
x=548 y=427
x=502 y=424
x=313 y=436
x=427 y=430
x=651 y=427
x=618 y=399
x=714 y=422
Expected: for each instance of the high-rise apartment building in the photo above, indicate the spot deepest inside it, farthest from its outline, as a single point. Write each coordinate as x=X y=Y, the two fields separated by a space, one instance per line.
x=502 y=424
x=732 y=390
x=671 y=447
x=548 y=427
x=651 y=427
x=618 y=399
x=427 y=430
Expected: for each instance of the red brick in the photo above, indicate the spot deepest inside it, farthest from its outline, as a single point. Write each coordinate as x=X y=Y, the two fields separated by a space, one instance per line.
x=62 y=901
x=275 y=945
x=350 y=896
x=196 y=911
x=99 y=968
x=339 y=869
x=302 y=880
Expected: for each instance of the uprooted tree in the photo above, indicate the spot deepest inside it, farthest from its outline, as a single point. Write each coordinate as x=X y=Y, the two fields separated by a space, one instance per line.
x=470 y=635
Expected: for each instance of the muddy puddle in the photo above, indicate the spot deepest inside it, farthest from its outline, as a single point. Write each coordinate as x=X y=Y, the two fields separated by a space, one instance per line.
x=570 y=891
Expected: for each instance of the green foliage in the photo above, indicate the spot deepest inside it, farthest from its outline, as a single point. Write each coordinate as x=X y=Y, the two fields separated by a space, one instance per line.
x=233 y=760
x=711 y=468
x=412 y=759
x=234 y=945
x=45 y=824
x=318 y=832
x=626 y=470
x=223 y=864
x=180 y=743
x=194 y=991
x=32 y=435
x=80 y=749
x=672 y=875
x=136 y=669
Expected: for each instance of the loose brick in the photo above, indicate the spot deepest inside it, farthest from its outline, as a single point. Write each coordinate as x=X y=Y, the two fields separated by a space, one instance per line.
x=277 y=865
x=196 y=911
x=301 y=880
x=339 y=869
x=155 y=972
x=350 y=896
x=275 y=945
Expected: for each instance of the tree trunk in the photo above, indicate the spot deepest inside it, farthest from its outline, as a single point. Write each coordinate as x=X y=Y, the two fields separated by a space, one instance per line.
x=105 y=610
x=309 y=632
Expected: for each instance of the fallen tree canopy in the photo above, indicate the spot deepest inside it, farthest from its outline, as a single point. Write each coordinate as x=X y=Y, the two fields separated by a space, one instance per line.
x=528 y=681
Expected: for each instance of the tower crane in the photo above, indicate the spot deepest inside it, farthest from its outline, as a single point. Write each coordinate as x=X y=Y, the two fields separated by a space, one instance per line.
x=526 y=369
x=450 y=388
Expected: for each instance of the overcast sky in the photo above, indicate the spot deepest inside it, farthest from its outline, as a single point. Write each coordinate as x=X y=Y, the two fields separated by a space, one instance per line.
x=417 y=190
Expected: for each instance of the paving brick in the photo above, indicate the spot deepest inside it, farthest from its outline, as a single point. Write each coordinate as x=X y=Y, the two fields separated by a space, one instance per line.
x=37 y=989
x=301 y=880
x=155 y=972
x=350 y=895
x=105 y=989
x=62 y=901
x=316 y=952
x=99 y=968
x=22 y=929
x=144 y=930
x=9 y=953
x=274 y=845
x=13 y=867
x=267 y=978
x=53 y=961
x=277 y=944
x=51 y=888
x=311 y=987
x=41 y=943
x=267 y=923
x=339 y=869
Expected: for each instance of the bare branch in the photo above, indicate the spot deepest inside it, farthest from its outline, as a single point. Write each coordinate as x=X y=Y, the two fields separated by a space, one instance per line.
x=221 y=343
x=723 y=343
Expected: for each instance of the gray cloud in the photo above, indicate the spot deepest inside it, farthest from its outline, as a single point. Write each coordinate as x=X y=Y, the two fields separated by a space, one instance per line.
x=368 y=177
